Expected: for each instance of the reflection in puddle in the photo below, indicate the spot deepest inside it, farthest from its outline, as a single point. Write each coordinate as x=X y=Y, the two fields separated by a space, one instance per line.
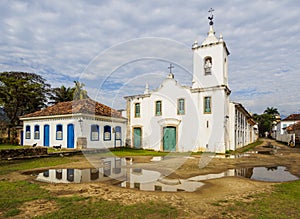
x=115 y=171
x=268 y=174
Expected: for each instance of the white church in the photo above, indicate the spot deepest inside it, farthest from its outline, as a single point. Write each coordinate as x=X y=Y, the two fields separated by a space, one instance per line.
x=197 y=118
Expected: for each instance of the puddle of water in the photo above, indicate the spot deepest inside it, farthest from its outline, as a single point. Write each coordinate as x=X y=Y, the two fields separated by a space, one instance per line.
x=231 y=156
x=119 y=172
x=266 y=174
x=115 y=172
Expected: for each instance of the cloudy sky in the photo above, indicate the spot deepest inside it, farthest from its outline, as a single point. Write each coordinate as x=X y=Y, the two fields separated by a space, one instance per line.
x=116 y=47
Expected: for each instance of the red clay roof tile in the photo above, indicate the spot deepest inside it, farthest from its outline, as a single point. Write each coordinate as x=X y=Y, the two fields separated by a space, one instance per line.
x=86 y=106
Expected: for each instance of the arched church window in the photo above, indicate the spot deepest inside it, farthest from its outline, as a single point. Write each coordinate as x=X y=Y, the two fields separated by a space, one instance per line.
x=207 y=65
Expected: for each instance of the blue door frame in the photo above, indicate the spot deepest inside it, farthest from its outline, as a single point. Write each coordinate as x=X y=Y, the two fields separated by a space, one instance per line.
x=70 y=136
x=46 y=135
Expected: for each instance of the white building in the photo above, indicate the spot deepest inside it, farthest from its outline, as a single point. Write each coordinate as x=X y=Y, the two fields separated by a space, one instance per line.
x=283 y=124
x=196 y=118
x=75 y=124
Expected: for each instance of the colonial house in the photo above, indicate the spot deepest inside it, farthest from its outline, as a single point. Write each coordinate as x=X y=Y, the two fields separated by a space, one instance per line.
x=192 y=118
x=290 y=120
x=75 y=124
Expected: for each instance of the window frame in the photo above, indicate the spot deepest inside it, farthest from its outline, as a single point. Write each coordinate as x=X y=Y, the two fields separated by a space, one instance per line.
x=118 y=129
x=93 y=138
x=56 y=132
x=179 y=110
x=105 y=137
x=205 y=105
x=137 y=110
x=36 y=133
x=158 y=108
x=27 y=132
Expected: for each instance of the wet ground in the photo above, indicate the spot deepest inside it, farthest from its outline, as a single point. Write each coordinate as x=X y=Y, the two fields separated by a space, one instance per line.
x=196 y=199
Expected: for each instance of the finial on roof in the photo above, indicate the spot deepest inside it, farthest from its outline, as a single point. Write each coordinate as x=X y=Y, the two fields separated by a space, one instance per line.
x=146 y=89
x=195 y=44
x=221 y=38
x=211 y=17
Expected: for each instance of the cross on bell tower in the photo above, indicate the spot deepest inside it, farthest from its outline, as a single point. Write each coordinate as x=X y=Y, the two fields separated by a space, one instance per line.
x=211 y=17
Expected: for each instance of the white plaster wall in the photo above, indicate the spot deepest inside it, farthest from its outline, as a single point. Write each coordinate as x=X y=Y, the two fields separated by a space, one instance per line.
x=85 y=131
x=231 y=126
x=219 y=69
x=52 y=131
x=152 y=125
x=212 y=138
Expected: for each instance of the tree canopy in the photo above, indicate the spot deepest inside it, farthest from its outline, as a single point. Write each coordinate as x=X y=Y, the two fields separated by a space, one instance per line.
x=265 y=120
x=22 y=93
x=79 y=92
x=61 y=94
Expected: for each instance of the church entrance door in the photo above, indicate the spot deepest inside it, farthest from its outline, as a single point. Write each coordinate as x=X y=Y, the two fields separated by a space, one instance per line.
x=169 y=139
x=137 y=137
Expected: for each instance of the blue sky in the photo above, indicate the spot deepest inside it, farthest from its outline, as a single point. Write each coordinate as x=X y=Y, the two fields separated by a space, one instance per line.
x=115 y=47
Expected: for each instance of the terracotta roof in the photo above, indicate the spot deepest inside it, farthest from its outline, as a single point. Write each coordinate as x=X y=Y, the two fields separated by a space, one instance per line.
x=292 y=117
x=85 y=106
x=293 y=127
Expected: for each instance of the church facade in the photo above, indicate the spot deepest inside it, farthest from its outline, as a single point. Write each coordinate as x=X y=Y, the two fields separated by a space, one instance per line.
x=192 y=118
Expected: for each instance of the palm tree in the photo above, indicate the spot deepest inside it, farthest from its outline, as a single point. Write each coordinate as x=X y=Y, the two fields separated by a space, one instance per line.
x=79 y=93
x=271 y=111
x=61 y=94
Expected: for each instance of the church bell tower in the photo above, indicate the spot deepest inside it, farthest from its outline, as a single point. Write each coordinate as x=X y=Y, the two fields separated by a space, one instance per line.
x=210 y=60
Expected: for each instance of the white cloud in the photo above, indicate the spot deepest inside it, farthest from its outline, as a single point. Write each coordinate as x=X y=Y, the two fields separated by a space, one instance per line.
x=58 y=39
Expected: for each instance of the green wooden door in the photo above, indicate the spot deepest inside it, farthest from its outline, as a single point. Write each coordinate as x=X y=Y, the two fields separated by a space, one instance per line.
x=137 y=137
x=169 y=139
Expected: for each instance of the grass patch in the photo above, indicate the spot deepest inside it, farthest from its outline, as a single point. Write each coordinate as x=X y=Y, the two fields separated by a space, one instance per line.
x=7 y=166
x=124 y=151
x=75 y=207
x=9 y=146
x=248 y=147
x=14 y=194
x=283 y=202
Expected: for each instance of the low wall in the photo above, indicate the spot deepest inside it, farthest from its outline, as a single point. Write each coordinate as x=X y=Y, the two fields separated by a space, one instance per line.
x=285 y=137
x=22 y=152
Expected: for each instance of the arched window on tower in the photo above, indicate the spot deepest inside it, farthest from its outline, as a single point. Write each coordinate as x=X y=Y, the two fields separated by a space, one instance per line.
x=207 y=65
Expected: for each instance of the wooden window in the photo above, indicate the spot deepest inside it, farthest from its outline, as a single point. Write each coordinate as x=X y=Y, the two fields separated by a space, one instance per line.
x=107 y=133
x=137 y=110
x=158 y=108
x=59 y=132
x=36 y=132
x=181 y=107
x=94 y=132
x=118 y=133
x=207 y=104
x=27 y=134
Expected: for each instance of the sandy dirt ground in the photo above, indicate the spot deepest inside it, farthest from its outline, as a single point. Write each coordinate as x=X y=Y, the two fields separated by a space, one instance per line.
x=198 y=204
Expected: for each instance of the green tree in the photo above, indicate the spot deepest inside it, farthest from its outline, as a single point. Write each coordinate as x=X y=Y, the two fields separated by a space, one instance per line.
x=61 y=94
x=79 y=92
x=21 y=93
x=265 y=120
